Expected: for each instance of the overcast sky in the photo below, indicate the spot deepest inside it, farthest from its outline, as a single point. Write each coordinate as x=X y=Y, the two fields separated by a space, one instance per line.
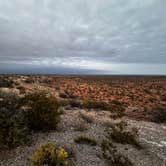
x=83 y=36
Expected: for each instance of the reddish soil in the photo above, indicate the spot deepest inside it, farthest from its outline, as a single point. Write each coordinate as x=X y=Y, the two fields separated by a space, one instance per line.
x=142 y=94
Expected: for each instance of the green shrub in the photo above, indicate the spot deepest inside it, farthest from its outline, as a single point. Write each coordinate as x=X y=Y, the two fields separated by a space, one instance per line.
x=43 y=112
x=50 y=155
x=112 y=156
x=13 y=131
x=85 y=140
x=159 y=115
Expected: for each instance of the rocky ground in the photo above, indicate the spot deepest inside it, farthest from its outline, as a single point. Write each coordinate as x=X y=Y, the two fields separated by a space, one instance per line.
x=92 y=123
x=151 y=136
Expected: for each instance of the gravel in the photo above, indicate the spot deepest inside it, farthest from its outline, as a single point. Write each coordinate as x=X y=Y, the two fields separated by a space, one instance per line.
x=152 y=137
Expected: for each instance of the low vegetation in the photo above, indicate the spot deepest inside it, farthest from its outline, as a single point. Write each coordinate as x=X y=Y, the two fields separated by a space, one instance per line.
x=50 y=154
x=159 y=115
x=89 y=104
x=6 y=82
x=14 y=131
x=112 y=156
x=116 y=107
x=75 y=103
x=81 y=126
x=42 y=111
x=85 y=140
x=18 y=116
x=86 y=118
x=121 y=135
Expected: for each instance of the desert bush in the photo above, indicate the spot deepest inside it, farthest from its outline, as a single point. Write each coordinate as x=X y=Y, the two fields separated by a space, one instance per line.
x=21 y=89
x=29 y=80
x=112 y=156
x=43 y=112
x=50 y=155
x=86 y=118
x=6 y=82
x=108 y=124
x=95 y=105
x=116 y=107
x=159 y=115
x=13 y=131
x=163 y=98
x=63 y=95
x=120 y=135
x=63 y=103
x=85 y=140
x=81 y=126
x=70 y=94
x=75 y=103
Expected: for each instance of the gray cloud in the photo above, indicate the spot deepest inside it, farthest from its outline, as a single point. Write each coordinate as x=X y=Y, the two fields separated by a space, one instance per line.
x=83 y=34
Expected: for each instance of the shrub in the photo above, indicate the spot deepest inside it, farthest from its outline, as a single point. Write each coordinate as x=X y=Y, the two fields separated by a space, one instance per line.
x=69 y=94
x=85 y=140
x=163 y=98
x=5 y=82
x=63 y=95
x=75 y=103
x=116 y=107
x=63 y=103
x=120 y=135
x=50 y=154
x=43 y=112
x=112 y=156
x=81 y=126
x=21 y=89
x=159 y=115
x=13 y=130
x=29 y=80
x=95 y=104
x=86 y=118
x=108 y=124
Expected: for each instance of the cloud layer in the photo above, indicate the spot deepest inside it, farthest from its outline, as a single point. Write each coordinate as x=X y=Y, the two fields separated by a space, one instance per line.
x=94 y=35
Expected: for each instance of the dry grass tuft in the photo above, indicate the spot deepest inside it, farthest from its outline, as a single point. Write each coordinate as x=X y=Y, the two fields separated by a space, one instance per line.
x=85 y=140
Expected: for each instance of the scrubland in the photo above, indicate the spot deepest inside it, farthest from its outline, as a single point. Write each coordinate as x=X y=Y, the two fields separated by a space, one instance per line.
x=82 y=120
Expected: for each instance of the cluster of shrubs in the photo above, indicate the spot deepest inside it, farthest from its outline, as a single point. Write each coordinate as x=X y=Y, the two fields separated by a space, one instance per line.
x=20 y=116
x=112 y=156
x=51 y=154
x=14 y=131
x=6 y=82
x=159 y=115
x=120 y=134
x=42 y=111
x=116 y=107
x=67 y=95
